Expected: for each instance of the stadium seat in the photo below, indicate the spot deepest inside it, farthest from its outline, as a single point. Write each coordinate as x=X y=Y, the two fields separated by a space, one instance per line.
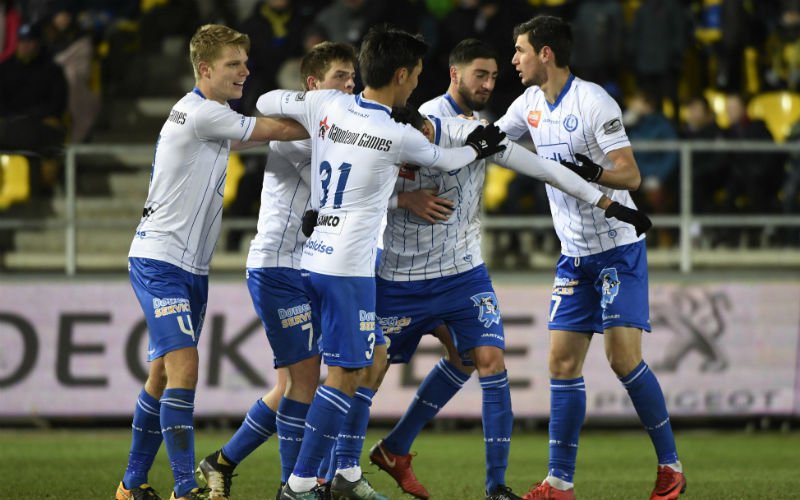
x=716 y=100
x=495 y=189
x=15 y=180
x=235 y=172
x=780 y=110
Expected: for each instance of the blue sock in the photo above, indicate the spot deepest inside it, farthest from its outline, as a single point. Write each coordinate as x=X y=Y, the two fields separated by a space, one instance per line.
x=323 y=422
x=291 y=422
x=257 y=427
x=441 y=384
x=177 y=410
x=146 y=440
x=648 y=400
x=567 y=412
x=327 y=468
x=354 y=429
x=498 y=420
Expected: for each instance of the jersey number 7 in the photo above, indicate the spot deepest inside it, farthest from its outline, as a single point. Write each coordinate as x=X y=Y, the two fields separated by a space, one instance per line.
x=326 y=173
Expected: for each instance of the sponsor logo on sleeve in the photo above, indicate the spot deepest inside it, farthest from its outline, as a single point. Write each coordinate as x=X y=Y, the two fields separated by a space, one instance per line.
x=611 y=126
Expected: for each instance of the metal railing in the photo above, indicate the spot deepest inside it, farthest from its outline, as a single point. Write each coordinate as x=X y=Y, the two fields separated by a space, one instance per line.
x=684 y=220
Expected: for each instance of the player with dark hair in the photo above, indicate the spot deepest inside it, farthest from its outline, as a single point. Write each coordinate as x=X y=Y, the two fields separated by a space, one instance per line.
x=356 y=148
x=276 y=287
x=174 y=242
x=601 y=278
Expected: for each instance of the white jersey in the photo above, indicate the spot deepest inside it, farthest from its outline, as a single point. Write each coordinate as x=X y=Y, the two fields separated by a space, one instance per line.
x=181 y=217
x=284 y=199
x=356 y=147
x=584 y=119
x=415 y=249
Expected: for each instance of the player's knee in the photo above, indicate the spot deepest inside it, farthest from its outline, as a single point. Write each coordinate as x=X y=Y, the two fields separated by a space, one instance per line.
x=623 y=364
x=564 y=365
x=488 y=360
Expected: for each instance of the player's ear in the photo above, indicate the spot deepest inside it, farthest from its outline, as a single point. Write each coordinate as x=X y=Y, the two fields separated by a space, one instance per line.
x=453 y=74
x=204 y=69
x=311 y=82
x=401 y=75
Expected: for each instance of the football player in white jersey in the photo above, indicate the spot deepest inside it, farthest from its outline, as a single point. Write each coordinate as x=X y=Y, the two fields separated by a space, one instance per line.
x=173 y=245
x=356 y=147
x=601 y=278
x=276 y=287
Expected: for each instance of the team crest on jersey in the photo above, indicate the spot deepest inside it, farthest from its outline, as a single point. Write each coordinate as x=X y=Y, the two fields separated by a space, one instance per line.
x=610 y=283
x=488 y=312
x=571 y=123
x=534 y=117
x=323 y=128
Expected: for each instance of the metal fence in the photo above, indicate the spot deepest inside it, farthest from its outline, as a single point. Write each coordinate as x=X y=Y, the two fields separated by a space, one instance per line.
x=685 y=220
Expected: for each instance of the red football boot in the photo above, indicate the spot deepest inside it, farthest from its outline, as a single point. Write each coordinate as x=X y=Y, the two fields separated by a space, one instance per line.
x=543 y=491
x=399 y=467
x=669 y=484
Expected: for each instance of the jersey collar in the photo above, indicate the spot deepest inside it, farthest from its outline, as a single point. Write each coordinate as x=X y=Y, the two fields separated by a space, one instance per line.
x=437 y=125
x=561 y=94
x=366 y=103
x=454 y=105
x=198 y=92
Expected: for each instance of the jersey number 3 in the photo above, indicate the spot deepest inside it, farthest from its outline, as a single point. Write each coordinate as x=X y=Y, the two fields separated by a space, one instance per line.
x=326 y=173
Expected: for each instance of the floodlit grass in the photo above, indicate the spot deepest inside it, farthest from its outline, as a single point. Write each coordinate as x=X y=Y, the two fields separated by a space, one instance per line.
x=81 y=464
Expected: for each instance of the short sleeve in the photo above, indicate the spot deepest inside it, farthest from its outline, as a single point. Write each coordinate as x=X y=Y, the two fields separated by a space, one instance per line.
x=215 y=121
x=606 y=122
x=514 y=123
x=299 y=106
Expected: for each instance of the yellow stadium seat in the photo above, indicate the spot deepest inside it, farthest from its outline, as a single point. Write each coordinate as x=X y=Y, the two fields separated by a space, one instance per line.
x=716 y=100
x=779 y=109
x=495 y=189
x=15 y=180
x=235 y=173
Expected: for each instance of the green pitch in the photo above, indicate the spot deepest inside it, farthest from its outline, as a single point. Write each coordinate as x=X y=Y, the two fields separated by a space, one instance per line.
x=64 y=465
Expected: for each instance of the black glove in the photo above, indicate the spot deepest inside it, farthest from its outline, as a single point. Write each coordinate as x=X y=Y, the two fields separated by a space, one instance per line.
x=638 y=219
x=588 y=169
x=486 y=140
x=309 y=222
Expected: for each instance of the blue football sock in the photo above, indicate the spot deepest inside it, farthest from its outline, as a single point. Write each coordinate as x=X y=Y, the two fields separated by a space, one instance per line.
x=441 y=384
x=177 y=410
x=648 y=400
x=567 y=412
x=354 y=429
x=146 y=440
x=498 y=420
x=257 y=427
x=323 y=422
x=291 y=423
x=327 y=469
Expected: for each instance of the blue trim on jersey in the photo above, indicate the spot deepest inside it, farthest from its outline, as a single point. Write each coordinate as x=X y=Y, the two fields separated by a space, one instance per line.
x=198 y=92
x=437 y=125
x=364 y=103
x=455 y=106
x=561 y=94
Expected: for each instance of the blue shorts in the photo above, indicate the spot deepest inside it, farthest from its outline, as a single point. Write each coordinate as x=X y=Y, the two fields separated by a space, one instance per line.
x=174 y=304
x=591 y=294
x=345 y=306
x=466 y=302
x=281 y=302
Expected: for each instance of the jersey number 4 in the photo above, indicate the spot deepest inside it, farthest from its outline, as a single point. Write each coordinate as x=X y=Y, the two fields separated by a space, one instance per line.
x=326 y=173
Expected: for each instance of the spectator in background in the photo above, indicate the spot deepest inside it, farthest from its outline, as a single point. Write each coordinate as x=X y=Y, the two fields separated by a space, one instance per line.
x=790 y=191
x=33 y=99
x=783 y=53
x=599 y=27
x=644 y=121
x=73 y=50
x=707 y=169
x=656 y=45
x=753 y=178
x=275 y=28
x=9 y=24
x=348 y=20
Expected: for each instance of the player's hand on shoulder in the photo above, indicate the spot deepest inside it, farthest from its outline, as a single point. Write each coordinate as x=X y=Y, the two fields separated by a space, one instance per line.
x=485 y=140
x=426 y=205
x=587 y=169
x=309 y=222
x=638 y=219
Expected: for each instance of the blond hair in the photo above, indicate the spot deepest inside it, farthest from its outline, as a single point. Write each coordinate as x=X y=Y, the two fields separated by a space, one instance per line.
x=209 y=40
